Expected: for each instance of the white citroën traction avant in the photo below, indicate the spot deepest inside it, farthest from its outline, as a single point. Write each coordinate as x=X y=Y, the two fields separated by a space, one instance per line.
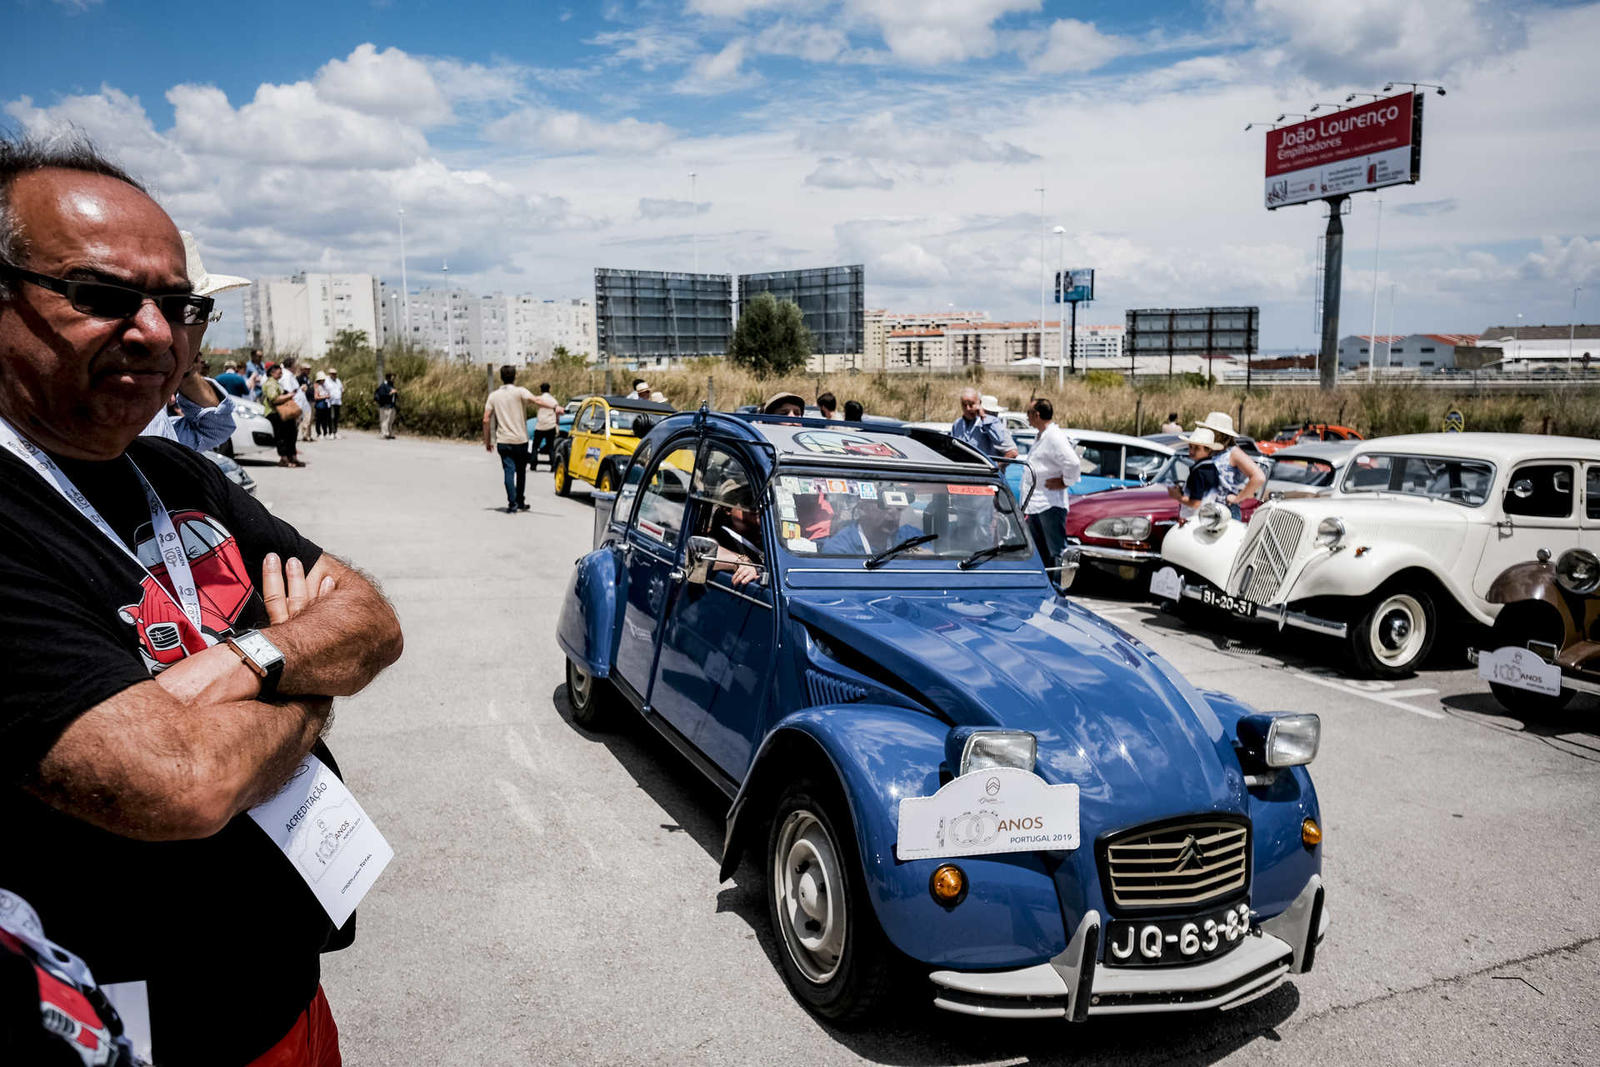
x=1413 y=534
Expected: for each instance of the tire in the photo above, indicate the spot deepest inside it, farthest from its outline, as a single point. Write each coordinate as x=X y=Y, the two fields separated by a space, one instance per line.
x=607 y=482
x=1516 y=625
x=563 y=476
x=590 y=697
x=1393 y=632
x=834 y=955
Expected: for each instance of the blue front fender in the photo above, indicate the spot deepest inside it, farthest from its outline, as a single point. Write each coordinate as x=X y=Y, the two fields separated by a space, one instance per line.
x=1011 y=916
x=591 y=612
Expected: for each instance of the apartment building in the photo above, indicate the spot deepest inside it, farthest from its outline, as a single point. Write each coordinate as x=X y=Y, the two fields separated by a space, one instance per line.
x=302 y=314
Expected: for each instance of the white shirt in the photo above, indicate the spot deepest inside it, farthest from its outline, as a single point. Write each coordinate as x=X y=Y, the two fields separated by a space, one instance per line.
x=1052 y=457
x=335 y=391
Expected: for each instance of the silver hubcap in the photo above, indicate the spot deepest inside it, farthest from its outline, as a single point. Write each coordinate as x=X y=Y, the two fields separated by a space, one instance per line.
x=1399 y=628
x=579 y=682
x=811 y=909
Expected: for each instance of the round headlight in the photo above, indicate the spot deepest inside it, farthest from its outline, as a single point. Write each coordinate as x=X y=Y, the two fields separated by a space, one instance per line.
x=1578 y=571
x=1212 y=515
x=1330 y=531
x=1120 y=528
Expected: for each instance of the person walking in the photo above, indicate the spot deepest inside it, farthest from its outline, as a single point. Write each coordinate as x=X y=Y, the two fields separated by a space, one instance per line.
x=335 y=401
x=1056 y=466
x=505 y=429
x=544 y=428
x=387 y=397
x=319 y=401
x=283 y=412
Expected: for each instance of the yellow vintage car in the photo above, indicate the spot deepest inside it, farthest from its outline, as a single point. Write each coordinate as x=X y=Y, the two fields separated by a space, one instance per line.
x=605 y=431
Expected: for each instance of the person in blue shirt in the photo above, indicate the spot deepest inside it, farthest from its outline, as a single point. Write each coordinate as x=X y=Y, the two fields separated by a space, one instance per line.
x=231 y=380
x=986 y=433
x=879 y=525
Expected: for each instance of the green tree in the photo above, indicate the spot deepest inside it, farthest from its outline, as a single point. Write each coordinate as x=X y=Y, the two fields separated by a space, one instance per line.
x=771 y=337
x=348 y=343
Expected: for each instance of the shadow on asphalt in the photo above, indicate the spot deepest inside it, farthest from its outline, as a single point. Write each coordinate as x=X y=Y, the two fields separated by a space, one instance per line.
x=911 y=1032
x=1578 y=717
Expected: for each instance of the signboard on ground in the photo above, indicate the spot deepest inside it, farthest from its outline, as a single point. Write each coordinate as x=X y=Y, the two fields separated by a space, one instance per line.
x=1359 y=148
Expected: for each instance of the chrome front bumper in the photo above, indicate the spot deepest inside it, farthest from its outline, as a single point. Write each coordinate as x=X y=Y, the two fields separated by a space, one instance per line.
x=1075 y=986
x=1281 y=614
x=1073 y=555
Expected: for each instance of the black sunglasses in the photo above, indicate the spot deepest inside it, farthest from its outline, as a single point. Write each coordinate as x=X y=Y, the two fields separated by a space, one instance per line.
x=106 y=301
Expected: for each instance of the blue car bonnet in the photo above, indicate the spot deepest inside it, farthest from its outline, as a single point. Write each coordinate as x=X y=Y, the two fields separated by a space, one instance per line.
x=1108 y=713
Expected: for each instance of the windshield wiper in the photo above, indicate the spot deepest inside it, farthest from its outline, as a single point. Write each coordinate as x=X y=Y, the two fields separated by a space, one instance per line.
x=984 y=555
x=894 y=550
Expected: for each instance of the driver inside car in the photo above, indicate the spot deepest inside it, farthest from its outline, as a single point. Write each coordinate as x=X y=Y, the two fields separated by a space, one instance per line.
x=879 y=525
x=736 y=527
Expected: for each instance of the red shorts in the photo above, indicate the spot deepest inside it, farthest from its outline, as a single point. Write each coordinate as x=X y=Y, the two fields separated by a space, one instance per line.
x=313 y=1040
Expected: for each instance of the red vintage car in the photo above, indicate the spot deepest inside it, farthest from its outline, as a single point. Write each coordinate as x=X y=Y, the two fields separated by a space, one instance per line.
x=1310 y=431
x=1119 y=531
x=224 y=586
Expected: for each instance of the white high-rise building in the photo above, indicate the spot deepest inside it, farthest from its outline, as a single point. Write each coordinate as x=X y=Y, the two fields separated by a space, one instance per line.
x=302 y=315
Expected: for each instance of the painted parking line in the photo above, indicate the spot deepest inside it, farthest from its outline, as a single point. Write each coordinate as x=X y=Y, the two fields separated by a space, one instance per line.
x=1389 y=697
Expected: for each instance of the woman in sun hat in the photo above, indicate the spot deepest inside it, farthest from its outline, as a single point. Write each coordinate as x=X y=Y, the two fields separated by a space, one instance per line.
x=1240 y=475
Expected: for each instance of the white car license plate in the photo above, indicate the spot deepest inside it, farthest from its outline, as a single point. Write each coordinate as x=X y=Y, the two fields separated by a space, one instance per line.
x=1168 y=941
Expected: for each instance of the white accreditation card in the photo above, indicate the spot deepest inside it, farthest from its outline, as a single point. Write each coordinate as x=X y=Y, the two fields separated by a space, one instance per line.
x=328 y=837
x=1004 y=809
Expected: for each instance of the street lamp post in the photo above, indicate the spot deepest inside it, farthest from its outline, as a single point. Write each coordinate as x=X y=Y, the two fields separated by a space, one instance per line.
x=1061 y=258
x=449 y=306
x=694 y=225
x=1040 y=191
x=405 y=288
x=1372 y=341
x=1572 y=328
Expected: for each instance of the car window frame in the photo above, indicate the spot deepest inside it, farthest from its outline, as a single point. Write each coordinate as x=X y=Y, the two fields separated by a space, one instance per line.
x=1351 y=465
x=668 y=450
x=1572 y=492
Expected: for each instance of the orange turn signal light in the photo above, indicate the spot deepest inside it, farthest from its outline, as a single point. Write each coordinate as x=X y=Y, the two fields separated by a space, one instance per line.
x=948 y=885
x=1311 y=833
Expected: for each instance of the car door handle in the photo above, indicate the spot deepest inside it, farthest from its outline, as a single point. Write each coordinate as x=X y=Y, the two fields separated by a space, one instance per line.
x=675 y=575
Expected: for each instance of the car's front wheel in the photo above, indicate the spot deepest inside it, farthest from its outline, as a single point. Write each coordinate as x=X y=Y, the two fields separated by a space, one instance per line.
x=1392 y=633
x=1516 y=625
x=563 y=475
x=607 y=482
x=590 y=698
x=834 y=955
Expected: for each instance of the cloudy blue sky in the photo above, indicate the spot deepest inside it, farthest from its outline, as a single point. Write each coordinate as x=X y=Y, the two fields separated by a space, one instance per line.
x=530 y=142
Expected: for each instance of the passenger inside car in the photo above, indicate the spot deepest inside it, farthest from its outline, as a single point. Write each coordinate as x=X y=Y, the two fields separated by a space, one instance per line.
x=878 y=523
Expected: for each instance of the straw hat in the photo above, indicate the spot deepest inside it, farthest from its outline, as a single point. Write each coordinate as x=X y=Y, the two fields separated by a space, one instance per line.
x=1220 y=422
x=777 y=398
x=1203 y=437
x=206 y=284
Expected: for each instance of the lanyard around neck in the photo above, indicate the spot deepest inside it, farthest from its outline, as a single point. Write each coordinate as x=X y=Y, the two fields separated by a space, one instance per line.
x=184 y=594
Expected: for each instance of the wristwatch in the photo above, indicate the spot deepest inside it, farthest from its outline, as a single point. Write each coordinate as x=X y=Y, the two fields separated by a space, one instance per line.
x=262 y=657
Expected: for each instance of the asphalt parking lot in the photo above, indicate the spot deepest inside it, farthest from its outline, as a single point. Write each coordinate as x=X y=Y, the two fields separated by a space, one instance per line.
x=554 y=895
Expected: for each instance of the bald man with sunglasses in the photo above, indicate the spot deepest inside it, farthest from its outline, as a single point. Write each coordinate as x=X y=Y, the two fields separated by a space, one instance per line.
x=172 y=650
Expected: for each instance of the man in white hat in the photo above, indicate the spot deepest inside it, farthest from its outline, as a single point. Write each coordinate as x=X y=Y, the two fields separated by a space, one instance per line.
x=335 y=400
x=205 y=418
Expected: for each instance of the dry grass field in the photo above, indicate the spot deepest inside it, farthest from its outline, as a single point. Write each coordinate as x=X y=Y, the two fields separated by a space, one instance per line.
x=446 y=400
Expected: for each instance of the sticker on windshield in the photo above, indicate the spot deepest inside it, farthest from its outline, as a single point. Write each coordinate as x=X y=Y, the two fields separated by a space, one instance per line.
x=869 y=490
x=790 y=531
x=834 y=443
x=838 y=485
x=791 y=483
x=894 y=498
x=971 y=490
x=800 y=544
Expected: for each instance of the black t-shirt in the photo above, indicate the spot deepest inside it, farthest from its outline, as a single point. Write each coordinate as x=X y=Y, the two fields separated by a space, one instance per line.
x=384 y=395
x=1204 y=480
x=223 y=930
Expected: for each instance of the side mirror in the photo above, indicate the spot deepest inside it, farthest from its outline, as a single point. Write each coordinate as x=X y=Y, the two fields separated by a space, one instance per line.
x=1071 y=558
x=702 y=554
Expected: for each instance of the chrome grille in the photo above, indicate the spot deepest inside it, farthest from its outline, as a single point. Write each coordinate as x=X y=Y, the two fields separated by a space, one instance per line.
x=1178 y=866
x=1267 y=555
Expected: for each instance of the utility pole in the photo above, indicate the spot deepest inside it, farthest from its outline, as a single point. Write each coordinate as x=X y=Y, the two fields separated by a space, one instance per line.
x=694 y=225
x=449 y=308
x=1332 y=276
x=1040 y=191
x=405 y=288
x=1372 y=341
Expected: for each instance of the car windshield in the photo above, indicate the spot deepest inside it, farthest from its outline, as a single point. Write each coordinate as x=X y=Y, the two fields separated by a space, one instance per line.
x=622 y=419
x=1302 y=471
x=1143 y=464
x=864 y=517
x=1460 y=481
x=1288 y=433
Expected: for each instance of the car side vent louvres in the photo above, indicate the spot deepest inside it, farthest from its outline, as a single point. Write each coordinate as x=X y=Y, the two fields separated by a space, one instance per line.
x=826 y=689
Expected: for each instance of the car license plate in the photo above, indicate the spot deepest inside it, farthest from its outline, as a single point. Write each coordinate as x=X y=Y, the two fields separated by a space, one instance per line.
x=1211 y=596
x=1170 y=941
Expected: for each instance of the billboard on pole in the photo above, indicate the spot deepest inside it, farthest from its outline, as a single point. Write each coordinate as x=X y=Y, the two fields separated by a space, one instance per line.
x=1359 y=148
x=1078 y=284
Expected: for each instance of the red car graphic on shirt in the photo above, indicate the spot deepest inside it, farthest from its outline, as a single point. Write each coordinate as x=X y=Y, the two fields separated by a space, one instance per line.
x=165 y=633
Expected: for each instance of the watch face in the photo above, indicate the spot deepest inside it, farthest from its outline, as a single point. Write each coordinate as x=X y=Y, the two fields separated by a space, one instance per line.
x=257 y=647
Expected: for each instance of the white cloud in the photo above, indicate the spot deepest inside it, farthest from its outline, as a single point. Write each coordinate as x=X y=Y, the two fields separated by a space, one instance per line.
x=719 y=72
x=811 y=41
x=931 y=32
x=390 y=83
x=1070 y=46
x=477 y=81
x=1374 y=40
x=730 y=8
x=290 y=124
x=546 y=130
x=656 y=208
x=649 y=46
x=836 y=173
x=885 y=135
